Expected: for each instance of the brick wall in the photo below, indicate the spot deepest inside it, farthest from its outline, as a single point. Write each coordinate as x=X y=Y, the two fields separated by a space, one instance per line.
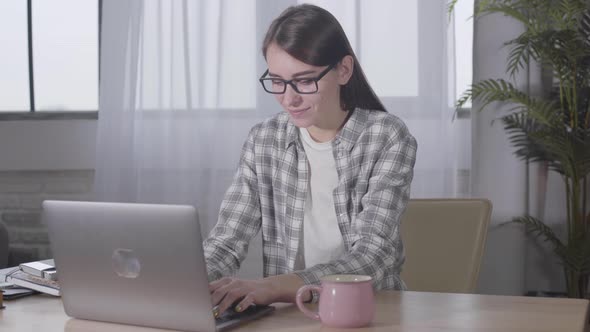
x=21 y=194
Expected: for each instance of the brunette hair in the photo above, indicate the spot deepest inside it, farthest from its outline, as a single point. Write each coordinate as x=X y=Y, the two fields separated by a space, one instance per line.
x=313 y=35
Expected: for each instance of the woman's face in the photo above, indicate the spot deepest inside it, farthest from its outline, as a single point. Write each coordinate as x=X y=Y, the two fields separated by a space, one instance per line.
x=306 y=110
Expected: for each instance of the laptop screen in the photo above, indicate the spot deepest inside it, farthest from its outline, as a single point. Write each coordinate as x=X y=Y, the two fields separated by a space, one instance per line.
x=139 y=264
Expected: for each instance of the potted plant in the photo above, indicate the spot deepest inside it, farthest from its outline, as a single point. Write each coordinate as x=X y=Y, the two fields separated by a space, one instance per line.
x=553 y=129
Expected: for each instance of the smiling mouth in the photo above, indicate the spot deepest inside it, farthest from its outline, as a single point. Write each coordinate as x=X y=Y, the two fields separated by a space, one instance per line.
x=298 y=111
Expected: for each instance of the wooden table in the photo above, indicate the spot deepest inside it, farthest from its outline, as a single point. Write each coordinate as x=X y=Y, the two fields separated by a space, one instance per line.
x=396 y=311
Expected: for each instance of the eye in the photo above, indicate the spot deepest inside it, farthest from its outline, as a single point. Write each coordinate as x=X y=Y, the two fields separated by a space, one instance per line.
x=304 y=82
x=277 y=82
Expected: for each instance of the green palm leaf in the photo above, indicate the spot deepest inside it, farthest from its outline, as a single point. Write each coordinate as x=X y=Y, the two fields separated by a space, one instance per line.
x=560 y=150
x=537 y=228
x=554 y=129
x=501 y=7
x=451 y=6
x=489 y=91
x=499 y=90
x=585 y=27
x=522 y=52
x=519 y=128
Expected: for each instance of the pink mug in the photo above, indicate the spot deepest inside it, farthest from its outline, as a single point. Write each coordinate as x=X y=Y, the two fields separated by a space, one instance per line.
x=346 y=300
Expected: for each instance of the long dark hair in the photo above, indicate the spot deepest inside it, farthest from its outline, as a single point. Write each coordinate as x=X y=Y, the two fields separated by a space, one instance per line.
x=312 y=35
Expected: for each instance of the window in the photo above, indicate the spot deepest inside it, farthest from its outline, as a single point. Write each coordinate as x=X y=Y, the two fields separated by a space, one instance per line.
x=14 y=80
x=395 y=50
x=64 y=40
x=392 y=65
x=62 y=37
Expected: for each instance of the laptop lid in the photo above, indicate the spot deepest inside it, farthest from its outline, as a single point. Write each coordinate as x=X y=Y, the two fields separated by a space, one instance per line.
x=139 y=264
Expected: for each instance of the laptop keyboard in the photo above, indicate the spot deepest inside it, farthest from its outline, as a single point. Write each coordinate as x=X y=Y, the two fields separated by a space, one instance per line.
x=230 y=314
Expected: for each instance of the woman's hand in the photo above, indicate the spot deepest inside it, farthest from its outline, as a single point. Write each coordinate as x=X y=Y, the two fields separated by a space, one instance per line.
x=244 y=293
x=226 y=292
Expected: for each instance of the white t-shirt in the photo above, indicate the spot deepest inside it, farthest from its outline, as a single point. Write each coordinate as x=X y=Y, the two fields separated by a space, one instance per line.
x=322 y=239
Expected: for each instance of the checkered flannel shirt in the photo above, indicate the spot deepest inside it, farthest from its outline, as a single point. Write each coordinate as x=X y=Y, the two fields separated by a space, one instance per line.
x=374 y=154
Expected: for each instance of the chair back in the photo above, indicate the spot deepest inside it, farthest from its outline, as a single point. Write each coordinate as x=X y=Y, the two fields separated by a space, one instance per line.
x=444 y=240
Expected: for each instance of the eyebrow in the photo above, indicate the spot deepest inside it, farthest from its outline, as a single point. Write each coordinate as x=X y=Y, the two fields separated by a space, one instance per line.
x=301 y=73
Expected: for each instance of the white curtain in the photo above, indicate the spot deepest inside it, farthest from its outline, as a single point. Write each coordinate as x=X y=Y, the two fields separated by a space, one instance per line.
x=179 y=93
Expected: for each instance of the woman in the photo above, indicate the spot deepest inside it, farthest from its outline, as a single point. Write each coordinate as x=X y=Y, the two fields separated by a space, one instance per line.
x=326 y=181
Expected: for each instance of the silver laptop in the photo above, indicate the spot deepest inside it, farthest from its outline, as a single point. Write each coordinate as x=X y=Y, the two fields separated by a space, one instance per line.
x=139 y=264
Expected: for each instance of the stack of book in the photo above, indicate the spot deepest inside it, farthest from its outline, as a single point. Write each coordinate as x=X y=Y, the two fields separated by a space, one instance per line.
x=38 y=276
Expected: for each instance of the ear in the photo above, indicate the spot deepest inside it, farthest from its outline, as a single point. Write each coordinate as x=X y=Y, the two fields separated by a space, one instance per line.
x=344 y=69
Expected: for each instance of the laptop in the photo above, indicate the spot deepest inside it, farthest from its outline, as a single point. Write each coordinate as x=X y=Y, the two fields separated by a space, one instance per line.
x=138 y=264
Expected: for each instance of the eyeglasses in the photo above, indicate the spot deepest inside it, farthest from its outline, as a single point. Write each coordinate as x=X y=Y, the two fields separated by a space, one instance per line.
x=303 y=85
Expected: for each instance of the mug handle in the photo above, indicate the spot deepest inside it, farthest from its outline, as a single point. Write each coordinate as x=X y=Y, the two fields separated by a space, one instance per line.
x=299 y=300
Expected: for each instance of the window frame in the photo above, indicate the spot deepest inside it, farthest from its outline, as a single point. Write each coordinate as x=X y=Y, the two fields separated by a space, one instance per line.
x=32 y=113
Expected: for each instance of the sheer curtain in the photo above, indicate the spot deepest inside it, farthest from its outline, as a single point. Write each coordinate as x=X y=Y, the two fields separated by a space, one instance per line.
x=179 y=93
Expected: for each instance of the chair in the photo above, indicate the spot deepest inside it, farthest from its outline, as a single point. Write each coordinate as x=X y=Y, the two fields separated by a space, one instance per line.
x=444 y=241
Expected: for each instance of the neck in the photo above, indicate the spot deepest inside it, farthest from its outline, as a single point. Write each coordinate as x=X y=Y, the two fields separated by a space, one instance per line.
x=330 y=127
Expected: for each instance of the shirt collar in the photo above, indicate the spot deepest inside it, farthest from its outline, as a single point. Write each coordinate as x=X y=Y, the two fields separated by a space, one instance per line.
x=347 y=136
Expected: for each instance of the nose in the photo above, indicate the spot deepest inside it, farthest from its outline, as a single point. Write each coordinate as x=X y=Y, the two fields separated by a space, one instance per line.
x=291 y=97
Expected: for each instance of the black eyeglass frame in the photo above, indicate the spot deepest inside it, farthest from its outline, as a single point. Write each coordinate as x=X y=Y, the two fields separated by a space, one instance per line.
x=293 y=85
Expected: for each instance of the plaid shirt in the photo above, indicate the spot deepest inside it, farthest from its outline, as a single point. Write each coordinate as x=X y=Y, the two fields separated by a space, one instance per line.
x=374 y=155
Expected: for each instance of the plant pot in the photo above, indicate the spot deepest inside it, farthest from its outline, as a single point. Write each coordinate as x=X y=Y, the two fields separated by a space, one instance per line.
x=576 y=284
x=538 y=293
